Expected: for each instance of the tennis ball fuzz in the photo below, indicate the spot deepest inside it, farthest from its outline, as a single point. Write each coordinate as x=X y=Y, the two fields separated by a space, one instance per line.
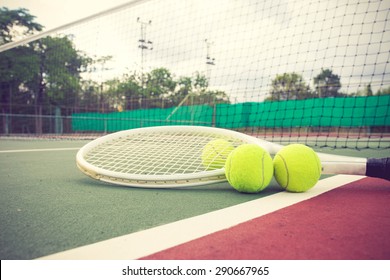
x=297 y=168
x=249 y=168
x=215 y=153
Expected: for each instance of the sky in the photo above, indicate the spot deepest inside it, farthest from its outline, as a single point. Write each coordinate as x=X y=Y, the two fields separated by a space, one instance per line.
x=54 y=13
x=251 y=41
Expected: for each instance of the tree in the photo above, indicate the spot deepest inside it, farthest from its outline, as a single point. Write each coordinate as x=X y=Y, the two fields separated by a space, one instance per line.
x=126 y=92
x=213 y=97
x=88 y=97
x=367 y=91
x=194 y=90
x=159 y=83
x=289 y=86
x=61 y=66
x=162 y=90
x=200 y=82
x=18 y=65
x=383 y=91
x=15 y=24
x=327 y=84
x=36 y=76
x=57 y=80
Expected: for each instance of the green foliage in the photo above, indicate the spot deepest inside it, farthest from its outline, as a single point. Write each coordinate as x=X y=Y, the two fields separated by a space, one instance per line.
x=16 y=23
x=384 y=91
x=367 y=91
x=159 y=89
x=159 y=84
x=36 y=77
x=289 y=86
x=60 y=66
x=327 y=84
x=17 y=66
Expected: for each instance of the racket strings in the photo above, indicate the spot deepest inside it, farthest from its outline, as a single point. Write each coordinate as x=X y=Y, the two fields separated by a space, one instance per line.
x=154 y=153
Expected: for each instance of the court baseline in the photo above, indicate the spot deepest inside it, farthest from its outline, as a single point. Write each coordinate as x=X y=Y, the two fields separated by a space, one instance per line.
x=38 y=150
x=349 y=223
x=147 y=242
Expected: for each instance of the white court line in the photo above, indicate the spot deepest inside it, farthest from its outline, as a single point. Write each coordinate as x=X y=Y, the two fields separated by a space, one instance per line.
x=38 y=150
x=146 y=242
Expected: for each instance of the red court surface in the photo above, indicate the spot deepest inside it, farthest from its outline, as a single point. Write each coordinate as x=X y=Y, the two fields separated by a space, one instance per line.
x=351 y=222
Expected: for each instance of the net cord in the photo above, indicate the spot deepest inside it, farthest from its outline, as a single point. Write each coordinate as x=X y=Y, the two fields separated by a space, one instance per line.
x=42 y=34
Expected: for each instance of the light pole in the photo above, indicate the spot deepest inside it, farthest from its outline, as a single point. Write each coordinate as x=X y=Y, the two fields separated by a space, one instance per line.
x=209 y=60
x=144 y=44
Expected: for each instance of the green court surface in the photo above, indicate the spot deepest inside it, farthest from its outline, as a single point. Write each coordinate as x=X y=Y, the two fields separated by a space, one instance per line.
x=47 y=205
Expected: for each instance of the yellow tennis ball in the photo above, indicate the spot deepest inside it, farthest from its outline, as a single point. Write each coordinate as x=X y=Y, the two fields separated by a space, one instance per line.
x=215 y=153
x=297 y=168
x=249 y=168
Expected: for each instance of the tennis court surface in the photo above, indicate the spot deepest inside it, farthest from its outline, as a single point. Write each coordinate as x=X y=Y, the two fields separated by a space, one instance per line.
x=300 y=71
x=50 y=209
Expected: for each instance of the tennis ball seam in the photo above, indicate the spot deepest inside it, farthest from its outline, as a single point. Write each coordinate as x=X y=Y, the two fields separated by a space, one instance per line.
x=262 y=169
x=230 y=162
x=319 y=168
x=287 y=173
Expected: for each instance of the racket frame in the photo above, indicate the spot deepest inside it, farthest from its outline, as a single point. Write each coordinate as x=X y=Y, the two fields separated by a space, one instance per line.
x=163 y=181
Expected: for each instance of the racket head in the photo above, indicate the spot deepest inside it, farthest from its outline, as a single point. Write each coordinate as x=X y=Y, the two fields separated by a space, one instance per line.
x=158 y=157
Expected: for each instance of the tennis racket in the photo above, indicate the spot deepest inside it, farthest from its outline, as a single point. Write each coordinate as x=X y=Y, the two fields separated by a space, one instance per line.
x=170 y=156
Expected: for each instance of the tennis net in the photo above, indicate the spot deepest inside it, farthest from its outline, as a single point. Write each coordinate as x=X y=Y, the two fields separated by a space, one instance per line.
x=308 y=71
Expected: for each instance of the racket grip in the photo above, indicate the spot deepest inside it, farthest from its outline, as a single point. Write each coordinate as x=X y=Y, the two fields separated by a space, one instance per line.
x=378 y=167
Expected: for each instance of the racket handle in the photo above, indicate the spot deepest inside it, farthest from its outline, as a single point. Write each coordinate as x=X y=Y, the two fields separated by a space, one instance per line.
x=378 y=167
